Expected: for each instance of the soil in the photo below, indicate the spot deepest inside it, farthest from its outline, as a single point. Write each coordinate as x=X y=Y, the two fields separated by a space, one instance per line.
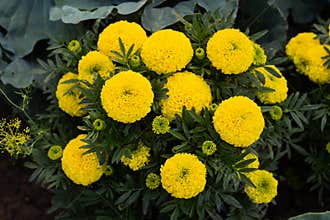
x=20 y=199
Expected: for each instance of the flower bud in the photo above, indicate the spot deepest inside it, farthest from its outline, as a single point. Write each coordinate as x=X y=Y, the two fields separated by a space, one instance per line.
x=200 y=53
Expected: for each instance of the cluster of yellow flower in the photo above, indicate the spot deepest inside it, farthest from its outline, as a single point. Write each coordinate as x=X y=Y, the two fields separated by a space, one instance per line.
x=307 y=52
x=13 y=140
x=127 y=97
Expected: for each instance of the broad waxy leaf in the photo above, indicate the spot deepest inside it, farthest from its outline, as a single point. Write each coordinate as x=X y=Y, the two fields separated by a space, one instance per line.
x=154 y=19
x=264 y=15
x=19 y=73
x=27 y=22
x=74 y=14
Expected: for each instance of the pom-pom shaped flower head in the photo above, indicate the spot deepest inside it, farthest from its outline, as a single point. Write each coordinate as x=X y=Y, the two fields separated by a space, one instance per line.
x=239 y=121
x=138 y=158
x=278 y=84
x=298 y=45
x=127 y=97
x=81 y=169
x=92 y=64
x=265 y=188
x=69 y=101
x=307 y=54
x=129 y=32
x=312 y=64
x=230 y=51
x=185 y=89
x=183 y=176
x=166 y=51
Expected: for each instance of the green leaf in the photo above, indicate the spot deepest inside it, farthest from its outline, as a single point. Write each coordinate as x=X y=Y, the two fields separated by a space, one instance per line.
x=264 y=15
x=123 y=197
x=74 y=13
x=230 y=200
x=301 y=11
x=260 y=76
x=27 y=22
x=312 y=216
x=20 y=73
x=177 y=135
x=272 y=71
x=133 y=198
x=155 y=18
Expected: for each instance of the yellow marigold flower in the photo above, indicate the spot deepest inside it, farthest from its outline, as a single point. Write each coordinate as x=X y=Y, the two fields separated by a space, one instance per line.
x=160 y=125
x=183 y=176
x=328 y=147
x=13 y=139
x=276 y=113
x=209 y=148
x=129 y=32
x=139 y=157
x=166 y=51
x=311 y=64
x=94 y=63
x=127 y=97
x=266 y=187
x=55 y=152
x=301 y=43
x=230 y=51
x=185 y=89
x=239 y=121
x=279 y=84
x=69 y=101
x=74 y=46
x=254 y=164
x=81 y=169
x=260 y=57
x=152 y=181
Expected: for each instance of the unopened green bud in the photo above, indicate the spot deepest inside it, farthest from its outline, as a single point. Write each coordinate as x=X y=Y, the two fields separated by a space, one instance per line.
x=55 y=152
x=200 y=53
x=213 y=107
x=74 y=46
x=135 y=61
x=99 y=125
x=276 y=113
x=209 y=148
x=108 y=170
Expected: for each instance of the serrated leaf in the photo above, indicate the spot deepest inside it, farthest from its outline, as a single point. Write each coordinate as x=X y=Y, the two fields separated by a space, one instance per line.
x=230 y=200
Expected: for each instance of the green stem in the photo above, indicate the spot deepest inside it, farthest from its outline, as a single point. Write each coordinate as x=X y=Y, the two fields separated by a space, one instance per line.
x=15 y=105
